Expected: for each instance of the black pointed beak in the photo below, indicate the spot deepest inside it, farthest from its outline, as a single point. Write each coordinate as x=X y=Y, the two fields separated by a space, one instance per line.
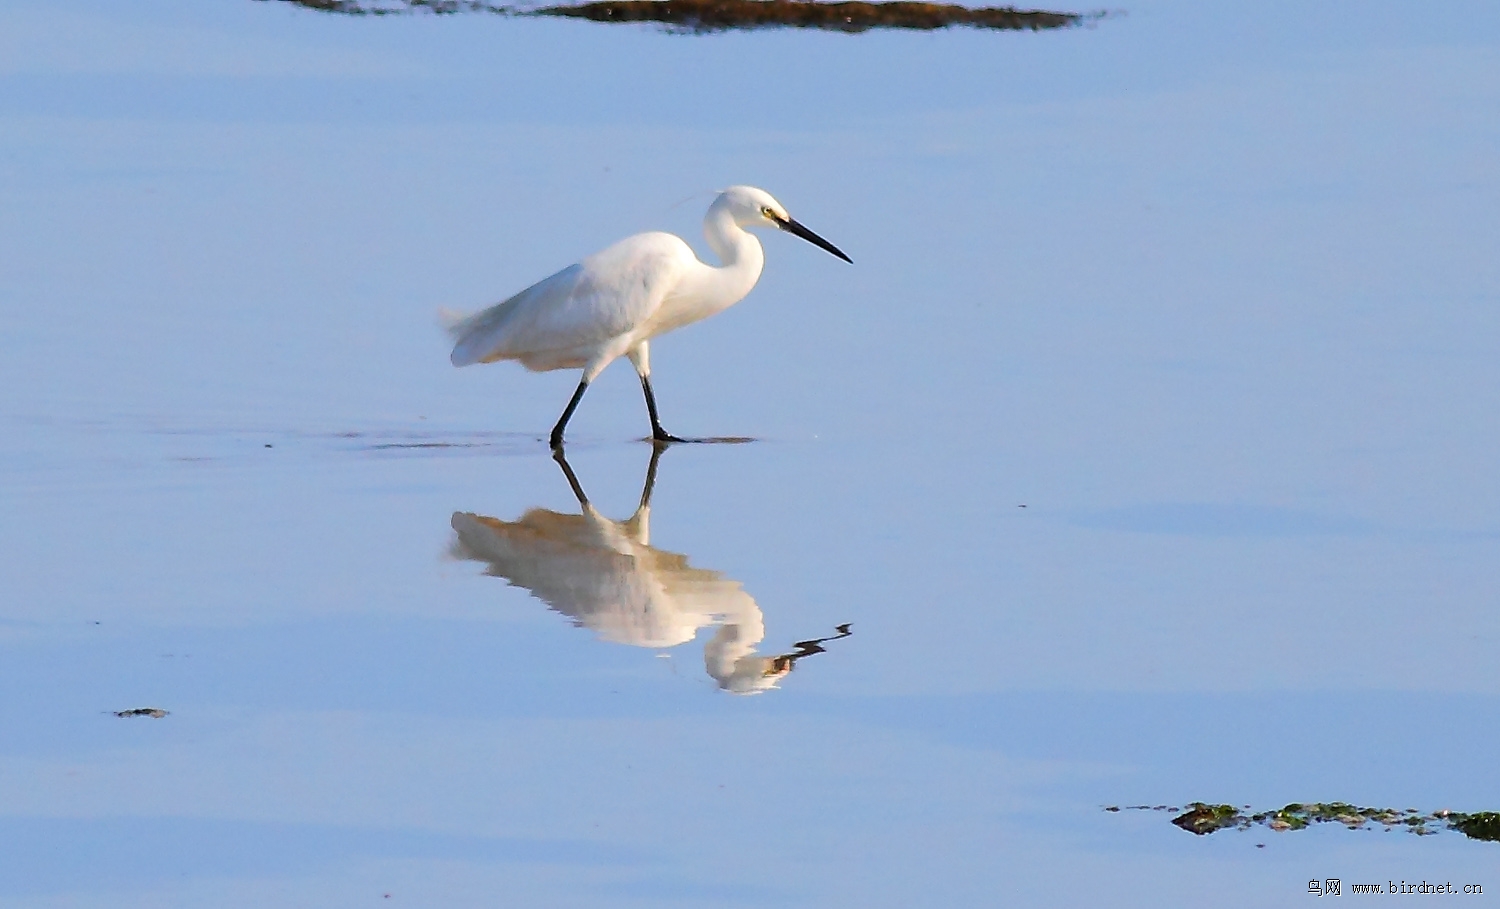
x=791 y=226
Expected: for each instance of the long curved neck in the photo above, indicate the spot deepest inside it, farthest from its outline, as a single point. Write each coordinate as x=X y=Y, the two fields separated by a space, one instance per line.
x=730 y=653
x=738 y=250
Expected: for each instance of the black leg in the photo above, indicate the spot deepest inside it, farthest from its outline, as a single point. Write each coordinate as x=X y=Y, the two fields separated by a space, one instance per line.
x=657 y=433
x=650 y=483
x=562 y=462
x=567 y=414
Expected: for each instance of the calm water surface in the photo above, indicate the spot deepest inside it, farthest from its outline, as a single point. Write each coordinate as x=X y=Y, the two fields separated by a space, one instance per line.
x=1148 y=449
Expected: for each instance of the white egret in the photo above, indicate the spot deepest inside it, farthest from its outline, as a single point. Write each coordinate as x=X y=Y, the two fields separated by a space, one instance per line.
x=606 y=576
x=615 y=301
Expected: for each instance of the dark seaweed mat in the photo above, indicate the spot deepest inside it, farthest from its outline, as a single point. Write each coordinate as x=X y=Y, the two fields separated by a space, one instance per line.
x=1202 y=818
x=727 y=15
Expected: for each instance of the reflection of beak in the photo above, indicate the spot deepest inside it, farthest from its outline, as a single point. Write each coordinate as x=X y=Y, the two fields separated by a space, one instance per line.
x=780 y=665
x=791 y=226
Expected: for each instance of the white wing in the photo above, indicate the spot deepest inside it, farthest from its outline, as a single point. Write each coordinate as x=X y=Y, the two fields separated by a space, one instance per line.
x=644 y=596
x=563 y=319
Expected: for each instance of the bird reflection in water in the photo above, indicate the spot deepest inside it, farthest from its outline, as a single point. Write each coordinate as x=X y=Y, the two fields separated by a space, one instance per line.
x=606 y=576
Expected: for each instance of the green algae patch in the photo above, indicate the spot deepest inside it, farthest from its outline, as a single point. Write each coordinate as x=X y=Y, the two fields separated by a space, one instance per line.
x=1203 y=818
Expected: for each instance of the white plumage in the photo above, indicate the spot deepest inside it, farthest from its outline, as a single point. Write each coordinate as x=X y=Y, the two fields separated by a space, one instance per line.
x=606 y=576
x=614 y=302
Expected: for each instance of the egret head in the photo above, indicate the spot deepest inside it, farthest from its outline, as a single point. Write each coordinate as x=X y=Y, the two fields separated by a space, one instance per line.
x=754 y=673
x=752 y=207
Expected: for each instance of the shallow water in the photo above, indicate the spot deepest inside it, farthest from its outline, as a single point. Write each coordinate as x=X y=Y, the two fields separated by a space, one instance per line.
x=1147 y=448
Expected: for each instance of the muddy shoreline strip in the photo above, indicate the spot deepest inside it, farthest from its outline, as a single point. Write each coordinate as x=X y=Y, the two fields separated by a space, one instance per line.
x=853 y=16
x=703 y=16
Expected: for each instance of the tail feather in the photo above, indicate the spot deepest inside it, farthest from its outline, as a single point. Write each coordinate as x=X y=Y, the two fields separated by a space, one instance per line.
x=476 y=336
x=456 y=324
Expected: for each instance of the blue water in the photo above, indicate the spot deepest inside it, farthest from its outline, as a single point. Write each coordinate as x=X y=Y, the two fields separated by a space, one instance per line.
x=1147 y=447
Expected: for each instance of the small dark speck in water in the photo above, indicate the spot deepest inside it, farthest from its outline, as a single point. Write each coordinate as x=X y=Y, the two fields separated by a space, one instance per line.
x=269 y=445
x=154 y=713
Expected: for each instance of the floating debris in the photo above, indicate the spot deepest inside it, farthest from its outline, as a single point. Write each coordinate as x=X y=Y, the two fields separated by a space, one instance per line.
x=1202 y=818
x=154 y=713
x=702 y=16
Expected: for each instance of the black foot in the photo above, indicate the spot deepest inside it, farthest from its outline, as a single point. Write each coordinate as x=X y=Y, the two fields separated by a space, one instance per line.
x=669 y=439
